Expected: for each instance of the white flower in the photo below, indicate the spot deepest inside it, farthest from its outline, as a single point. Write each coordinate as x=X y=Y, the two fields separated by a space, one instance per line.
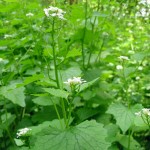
x=29 y=14
x=140 y=68
x=75 y=81
x=137 y=78
x=54 y=12
x=8 y=36
x=130 y=24
x=22 y=132
x=120 y=39
x=138 y=114
x=123 y=58
x=131 y=52
x=110 y=65
x=146 y=111
x=1 y=59
x=119 y=67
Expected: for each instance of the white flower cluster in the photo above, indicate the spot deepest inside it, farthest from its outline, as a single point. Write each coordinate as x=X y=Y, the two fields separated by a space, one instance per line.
x=22 y=132
x=144 y=111
x=1 y=59
x=123 y=58
x=6 y=36
x=29 y=14
x=54 y=12
x=75 y=81
x=119 y=67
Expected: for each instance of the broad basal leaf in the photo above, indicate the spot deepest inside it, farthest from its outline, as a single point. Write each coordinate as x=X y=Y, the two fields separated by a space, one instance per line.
x=124 y=116
x=88 y=135
x=57 y=92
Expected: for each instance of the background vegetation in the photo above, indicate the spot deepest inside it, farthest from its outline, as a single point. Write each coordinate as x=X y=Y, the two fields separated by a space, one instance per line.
x=106 y=43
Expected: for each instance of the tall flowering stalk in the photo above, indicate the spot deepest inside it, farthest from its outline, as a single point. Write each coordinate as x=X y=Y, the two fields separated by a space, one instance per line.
x=54 y=14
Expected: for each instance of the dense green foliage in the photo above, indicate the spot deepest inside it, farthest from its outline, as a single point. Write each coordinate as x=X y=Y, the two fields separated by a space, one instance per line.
x=42 y=57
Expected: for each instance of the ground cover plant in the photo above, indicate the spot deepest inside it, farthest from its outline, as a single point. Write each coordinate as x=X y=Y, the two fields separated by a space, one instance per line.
x=75 y=75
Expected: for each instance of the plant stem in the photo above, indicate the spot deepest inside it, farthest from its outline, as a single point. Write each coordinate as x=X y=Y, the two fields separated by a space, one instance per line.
x=64 y=111
x=129 y=139
x=126 y=97
x=56 y=74
x=6 y=128
x=54 y=53
x=69 y=115
x=58 y=115
x=93 y=26
x=83 y=37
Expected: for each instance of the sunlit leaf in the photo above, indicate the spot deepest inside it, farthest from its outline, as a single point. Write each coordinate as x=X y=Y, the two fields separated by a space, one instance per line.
x=57 y=92
x=124 y=115
x=88 y=135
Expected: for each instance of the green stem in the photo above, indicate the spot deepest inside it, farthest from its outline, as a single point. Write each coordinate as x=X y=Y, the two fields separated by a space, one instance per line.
x=129 y=139
x=6 y=128
x=56 y=73
x=69 y=115
x=64 y=111
x=125 y=85
x=93 y=26
x=83 y=37
x=58 y=115
x=54 y=53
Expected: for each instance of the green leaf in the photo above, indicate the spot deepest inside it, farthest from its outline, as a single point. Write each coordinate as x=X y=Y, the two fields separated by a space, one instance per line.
x=112 y=130
x=6 y=122
x=71 y=72
x=45 y=100
x=19 y=142
x=124 y=116
x=88 y=84
x=15 y=95
x=88 y=135
x=124 y=139
x=31 y=79
x=139 y=56
x=85 y=113
x=46 y=124
x=57 y=92
x=73 y=53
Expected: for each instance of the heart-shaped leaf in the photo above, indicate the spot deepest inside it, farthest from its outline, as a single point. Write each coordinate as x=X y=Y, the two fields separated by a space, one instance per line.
x=88 y=135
